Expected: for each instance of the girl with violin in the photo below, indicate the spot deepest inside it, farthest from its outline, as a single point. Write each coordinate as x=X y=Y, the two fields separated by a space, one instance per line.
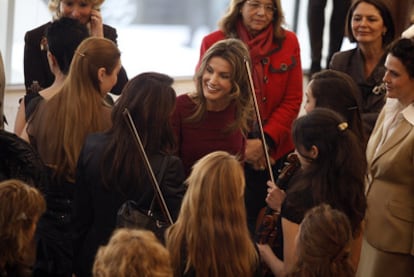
x=332 y=172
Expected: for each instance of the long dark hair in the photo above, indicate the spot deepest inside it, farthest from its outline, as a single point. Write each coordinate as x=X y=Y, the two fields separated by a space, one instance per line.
x=336 y=176
x=150 y=100
x=338 y=91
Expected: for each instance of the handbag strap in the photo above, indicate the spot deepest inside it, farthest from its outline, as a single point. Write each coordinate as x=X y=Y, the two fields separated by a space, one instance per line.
x=157 y=190
x=160 y=177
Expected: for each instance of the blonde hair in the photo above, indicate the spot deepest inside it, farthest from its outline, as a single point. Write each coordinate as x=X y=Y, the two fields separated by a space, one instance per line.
x=20 y=208
x=55 y=9
x=211 y=229
x=132 y=253
x=59 y=128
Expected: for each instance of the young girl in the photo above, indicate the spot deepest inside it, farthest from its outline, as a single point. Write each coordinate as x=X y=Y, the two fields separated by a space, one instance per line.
x=210 y=237
x=323 y=244
x=333 y=167
x=57 y=130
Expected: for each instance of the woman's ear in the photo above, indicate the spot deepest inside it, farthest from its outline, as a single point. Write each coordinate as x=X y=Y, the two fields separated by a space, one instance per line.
x=314 y=152
x=51 y=59
x=101 y=74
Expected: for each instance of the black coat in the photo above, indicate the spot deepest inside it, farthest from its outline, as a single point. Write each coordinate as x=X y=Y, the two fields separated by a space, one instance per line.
x=36 y=65
x=95 y=206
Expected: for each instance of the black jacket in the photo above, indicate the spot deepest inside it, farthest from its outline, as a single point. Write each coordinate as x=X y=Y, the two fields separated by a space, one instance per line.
x=36 y=65
x=95 y=206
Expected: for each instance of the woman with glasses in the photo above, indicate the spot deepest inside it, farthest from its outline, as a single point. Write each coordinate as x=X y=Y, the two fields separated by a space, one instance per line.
x=277 y=76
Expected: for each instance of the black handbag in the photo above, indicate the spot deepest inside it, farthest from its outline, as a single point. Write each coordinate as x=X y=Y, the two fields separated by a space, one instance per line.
x=129 y=214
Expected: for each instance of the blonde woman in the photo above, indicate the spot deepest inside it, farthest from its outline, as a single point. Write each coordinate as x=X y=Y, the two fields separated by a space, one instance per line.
x=210 y=237
x=37 y=73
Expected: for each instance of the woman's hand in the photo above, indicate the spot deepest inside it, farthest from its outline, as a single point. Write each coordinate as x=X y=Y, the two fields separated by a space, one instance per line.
x=275 y=196
x=254 y=150
x=96 y=24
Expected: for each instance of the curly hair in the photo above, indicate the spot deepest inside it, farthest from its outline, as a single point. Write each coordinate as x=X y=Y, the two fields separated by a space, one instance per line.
x=324 y=244
x=132 y=253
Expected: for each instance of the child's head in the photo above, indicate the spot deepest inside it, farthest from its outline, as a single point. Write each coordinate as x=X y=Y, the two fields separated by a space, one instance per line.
x=20 y=209
x=337 y=91
x=322 y=138
x=132 y=252
x=323 y=243
x=63 y=37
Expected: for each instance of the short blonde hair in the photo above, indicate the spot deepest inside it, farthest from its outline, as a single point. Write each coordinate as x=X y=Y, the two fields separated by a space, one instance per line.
x=132 y=252
x=54 y=6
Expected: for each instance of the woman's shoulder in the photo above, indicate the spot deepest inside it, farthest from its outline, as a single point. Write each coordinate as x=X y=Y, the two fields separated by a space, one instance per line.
x=110 y=32
x=339 y=59
x=185 y=101
x=214 y=36
x=37 y=33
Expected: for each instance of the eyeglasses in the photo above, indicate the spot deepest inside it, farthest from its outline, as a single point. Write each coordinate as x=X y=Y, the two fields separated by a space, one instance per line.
x=256 y=5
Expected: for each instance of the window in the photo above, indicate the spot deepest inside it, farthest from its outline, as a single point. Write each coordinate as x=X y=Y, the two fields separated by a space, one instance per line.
x=153 y=35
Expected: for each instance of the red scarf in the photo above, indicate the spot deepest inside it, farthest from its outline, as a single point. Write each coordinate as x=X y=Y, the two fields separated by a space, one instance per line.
x=259 y=47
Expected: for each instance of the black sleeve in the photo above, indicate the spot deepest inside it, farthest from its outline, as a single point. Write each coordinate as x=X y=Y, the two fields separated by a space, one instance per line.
x=172 y=186
x=35 y=63
x=110 y=33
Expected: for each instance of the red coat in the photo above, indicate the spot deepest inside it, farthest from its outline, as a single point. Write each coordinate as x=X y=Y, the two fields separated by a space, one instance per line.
x=282 y=90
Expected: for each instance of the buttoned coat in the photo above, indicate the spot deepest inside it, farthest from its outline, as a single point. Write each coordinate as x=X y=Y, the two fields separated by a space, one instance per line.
x=390 y=187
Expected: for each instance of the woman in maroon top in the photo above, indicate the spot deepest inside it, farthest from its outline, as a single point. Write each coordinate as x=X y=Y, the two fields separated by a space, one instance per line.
x=277 y=76
x=216 y=116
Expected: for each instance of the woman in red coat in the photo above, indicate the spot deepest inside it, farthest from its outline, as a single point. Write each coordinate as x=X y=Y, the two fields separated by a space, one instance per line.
x=277 y=76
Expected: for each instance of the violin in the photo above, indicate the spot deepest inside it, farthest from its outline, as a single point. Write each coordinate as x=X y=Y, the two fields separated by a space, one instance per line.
x=266 y=224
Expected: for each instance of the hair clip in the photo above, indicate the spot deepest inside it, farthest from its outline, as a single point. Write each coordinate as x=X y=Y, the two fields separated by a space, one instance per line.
x=342 y=126
x=43 y=44
x=80 y=54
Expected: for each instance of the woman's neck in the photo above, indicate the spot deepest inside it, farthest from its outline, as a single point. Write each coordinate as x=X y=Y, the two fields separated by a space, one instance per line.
x=372 y=55
x=51 y=91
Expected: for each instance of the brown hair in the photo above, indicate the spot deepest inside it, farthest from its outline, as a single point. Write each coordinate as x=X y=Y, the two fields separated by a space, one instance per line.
x=20 y=208
x=235 y=53
x=59 y=127
x=324 y=244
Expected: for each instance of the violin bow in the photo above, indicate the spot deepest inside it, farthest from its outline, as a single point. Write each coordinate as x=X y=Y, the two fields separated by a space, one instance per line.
x=259 y=120
x=158 y=193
